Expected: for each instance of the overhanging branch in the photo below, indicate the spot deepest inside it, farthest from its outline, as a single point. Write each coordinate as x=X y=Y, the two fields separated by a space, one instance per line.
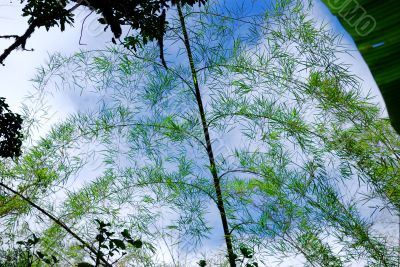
x=20 y=41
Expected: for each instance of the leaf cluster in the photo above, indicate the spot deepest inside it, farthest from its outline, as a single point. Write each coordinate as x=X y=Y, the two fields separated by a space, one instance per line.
x=31 y=250
x=10 y=131
x=109 y=246
x=47 y=13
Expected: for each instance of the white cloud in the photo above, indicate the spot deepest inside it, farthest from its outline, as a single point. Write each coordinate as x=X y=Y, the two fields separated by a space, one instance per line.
x=21 y=65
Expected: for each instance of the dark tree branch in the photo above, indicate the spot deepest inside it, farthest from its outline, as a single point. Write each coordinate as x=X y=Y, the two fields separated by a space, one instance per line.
x=9 y=36
x=147 y=17
x=55 y=220
x=83 y=24
x=20 y=41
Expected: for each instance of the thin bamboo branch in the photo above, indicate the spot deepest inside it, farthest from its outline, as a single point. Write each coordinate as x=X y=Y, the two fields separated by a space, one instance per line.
x=57 y=221
x=213 y=169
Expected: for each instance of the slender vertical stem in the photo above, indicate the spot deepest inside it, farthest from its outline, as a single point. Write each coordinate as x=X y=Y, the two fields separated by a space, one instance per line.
x=213 y=169
x=98 y=255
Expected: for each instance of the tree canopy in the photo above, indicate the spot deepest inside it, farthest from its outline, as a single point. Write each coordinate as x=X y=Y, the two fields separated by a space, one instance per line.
x=256 y=146
x=147 y=18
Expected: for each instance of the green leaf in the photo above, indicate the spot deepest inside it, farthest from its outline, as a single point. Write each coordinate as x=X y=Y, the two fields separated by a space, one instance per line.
x=119 y=243
x=136 y=243
x=100 y=238
x=246 y=251
x=125 y=233
x=202 y=263
x=40 y=255
x=55 y=260
x=109 y=233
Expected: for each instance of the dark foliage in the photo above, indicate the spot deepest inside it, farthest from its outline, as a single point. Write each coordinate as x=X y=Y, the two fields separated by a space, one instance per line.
x=17 y=257
x=26 y=254
x=10 y=132
x=146 y=17
x=111 y=246
x=33 y=254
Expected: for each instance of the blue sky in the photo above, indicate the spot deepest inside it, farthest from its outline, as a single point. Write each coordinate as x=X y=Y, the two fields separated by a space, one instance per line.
x=21 y=66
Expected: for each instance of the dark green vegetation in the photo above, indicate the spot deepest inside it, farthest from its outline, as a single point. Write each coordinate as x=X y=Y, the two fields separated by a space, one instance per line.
x=379 y=43
x=255 y=146
x=109 y=250
x=147 y=18
x=10 y=132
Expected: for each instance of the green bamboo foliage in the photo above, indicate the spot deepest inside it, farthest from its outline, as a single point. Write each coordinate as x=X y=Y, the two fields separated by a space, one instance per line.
x=374 y=28
x=288 y=125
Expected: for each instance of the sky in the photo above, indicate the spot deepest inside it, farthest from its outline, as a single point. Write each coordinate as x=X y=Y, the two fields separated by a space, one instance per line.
x=358 y=66
x=21 y=66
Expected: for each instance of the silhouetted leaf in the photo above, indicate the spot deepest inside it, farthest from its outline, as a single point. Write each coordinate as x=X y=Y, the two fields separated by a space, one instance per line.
x=202 y=263
x=246 y=251
x=125 y=233
x=136 y=243
x=40 y=254
x=85 y=264
x=100 y=238
x=119 y=243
